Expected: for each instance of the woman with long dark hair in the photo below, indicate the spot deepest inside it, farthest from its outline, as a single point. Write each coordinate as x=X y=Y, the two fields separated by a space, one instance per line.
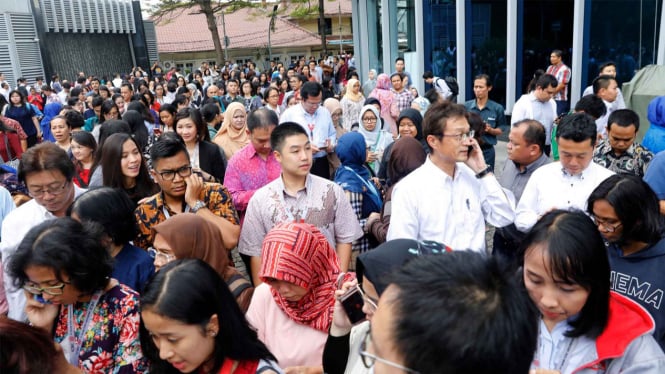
x=19 y=110
x=248 y=92
x=191 y=323
x=205 y=157
x=83 y=148
x=123 y=167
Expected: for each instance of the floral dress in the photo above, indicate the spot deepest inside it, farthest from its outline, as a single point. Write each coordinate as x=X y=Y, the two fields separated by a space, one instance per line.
x=112 y=341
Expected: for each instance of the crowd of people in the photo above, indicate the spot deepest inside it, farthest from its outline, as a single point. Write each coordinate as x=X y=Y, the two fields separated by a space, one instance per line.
x=303 y=220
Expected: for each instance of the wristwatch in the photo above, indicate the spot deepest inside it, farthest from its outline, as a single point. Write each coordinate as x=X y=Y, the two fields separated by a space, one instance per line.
x=199 y=204
x=483 y=173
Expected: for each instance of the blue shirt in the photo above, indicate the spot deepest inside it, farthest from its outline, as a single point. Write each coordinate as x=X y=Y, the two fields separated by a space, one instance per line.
x=133 y=267
x=493 y=114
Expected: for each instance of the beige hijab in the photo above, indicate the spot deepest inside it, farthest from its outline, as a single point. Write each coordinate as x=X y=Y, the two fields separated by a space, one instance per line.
x=357 y=96
x=230 y=139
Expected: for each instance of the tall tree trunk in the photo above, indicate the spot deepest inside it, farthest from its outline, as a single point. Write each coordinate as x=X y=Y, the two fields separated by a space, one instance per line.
x=206 y=8
x=322 y=26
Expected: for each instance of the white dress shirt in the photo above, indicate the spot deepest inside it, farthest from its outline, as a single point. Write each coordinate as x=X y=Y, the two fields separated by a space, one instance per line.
x=529 y=107
x=430 y=205
x=550 y=187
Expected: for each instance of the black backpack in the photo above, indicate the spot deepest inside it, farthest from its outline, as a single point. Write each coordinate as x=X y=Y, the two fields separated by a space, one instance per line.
x=452 y=84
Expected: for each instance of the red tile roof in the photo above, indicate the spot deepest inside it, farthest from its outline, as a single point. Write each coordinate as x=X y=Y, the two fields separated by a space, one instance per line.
x=187 y=31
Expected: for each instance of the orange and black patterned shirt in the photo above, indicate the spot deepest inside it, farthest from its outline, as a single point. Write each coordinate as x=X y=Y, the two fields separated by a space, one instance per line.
x=154 y=211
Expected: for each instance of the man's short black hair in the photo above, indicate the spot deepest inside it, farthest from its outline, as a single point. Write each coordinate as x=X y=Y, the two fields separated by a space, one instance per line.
x=74 y=119
x=97 y=100
x=624 y=118
x=577 y=127
x=473 y=289
x=168 y=145
x=601 y=82
x=591 y=105
x=261 y=118
x=437 y=116
x=546 y=80
x=557 y=52
x=428 y=74
x=310 y=89
x=534 y=133
x=283 y=131
x=604 y=65
x=488 y=80
x=399 y=59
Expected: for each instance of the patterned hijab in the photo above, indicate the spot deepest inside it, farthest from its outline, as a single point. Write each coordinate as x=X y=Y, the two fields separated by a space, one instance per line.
x=300 y=254
x=203 y=240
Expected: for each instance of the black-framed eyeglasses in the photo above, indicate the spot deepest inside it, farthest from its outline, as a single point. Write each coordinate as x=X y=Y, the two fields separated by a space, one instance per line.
x=609 y=228
x=369 y=359
x=460 y=137
x=51 y=189
x=169 y=175
x=369 y=119
x=51 y=290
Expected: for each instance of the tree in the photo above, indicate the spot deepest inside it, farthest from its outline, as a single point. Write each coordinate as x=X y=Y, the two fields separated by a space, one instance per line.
x=207 y=7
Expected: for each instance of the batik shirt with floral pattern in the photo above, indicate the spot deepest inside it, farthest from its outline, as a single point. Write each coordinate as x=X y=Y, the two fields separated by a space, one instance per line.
x=111 y=343
x=634 y=160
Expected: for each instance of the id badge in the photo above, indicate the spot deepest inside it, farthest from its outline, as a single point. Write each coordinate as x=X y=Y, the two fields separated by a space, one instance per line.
x=68 y=347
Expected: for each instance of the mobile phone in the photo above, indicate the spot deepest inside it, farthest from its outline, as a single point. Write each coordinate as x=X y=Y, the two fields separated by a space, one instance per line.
x=352 y=301
x=40 y=299
x=470 y=150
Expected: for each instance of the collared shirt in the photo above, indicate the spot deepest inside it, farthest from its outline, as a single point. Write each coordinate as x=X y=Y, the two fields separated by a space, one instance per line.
x=14 y=228
x=493 y=114
x=155 y=211
x=321 y=203
x=319 y=126
x=403 y=99
x=529 y=107
x=601 y=122
x=246 y=173
x=551 y=187
x=562 y=74
x=430 y=205
x=634 y=160
x=514 y=179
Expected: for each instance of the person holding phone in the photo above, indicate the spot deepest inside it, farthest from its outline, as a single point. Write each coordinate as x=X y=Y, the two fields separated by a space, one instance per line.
x=342 y=346
x=450 y=197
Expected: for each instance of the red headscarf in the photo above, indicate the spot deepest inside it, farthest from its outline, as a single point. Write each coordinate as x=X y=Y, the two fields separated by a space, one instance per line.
x=300 y=254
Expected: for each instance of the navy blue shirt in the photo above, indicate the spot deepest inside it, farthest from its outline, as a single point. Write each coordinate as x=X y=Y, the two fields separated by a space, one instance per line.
x=133 y=267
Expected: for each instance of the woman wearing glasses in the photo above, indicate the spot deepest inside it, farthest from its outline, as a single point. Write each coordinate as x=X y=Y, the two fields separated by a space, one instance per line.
x=625 y=210
x=376 y=139
x=203 y=241
x=343 y=348
x=66 y=274
x=292 y=310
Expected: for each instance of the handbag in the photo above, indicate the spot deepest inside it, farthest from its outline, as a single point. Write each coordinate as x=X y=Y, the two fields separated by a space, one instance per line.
x=13 y=162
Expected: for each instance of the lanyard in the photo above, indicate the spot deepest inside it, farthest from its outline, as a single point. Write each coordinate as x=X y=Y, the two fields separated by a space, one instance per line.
x=168 y=215
x=76 y=346
x=302 y=214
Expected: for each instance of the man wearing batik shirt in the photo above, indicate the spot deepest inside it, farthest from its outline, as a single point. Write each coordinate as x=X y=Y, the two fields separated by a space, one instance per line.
x=620 y=152
x=562 y=74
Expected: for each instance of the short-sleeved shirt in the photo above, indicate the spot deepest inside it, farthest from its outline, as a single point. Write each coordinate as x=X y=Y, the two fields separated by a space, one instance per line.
x=492 y=114
x=321 y=203
x=155 y=211
x=634 y=160
x=319 y=126
x=562 y=74
x=403 y=99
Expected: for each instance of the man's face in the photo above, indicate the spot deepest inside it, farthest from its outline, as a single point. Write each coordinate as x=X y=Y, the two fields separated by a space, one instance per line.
x=610 y=93
x=295 y=157
x=575 y=157
x=312 y=103
x=554 y=59
x=519 y=150
x=232 y=88
x=290 y=73
x=397 y=83
x=212 y=91
x=94 y=85
x=620 y=137
x=295 y=83
x=174 y=188
x=260 y=139
x=545 y=94
x=451 y=148
x=381 y=341
x=399 y=66
x=126 y=93
x=481 y=89
x=51 y=190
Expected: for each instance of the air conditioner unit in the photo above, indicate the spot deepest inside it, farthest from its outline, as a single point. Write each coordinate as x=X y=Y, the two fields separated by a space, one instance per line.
x=168 y=64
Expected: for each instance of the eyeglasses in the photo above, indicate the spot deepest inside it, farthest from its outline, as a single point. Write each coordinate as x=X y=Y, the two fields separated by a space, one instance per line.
x=460 y=137
x=169 y=175
x=367 y=299
x=157 y=255
x=52 y=189
x=51 y=290
x=369 y=119
x=606 y=225
x=369 y=359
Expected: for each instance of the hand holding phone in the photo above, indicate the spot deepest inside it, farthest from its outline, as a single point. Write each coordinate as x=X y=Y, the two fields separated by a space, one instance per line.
x=353 y=301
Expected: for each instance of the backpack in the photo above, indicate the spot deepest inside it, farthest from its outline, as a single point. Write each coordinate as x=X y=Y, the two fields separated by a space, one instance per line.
x=453 y=86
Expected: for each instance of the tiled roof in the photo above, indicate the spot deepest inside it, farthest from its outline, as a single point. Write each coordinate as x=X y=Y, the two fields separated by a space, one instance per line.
x=187 y=31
